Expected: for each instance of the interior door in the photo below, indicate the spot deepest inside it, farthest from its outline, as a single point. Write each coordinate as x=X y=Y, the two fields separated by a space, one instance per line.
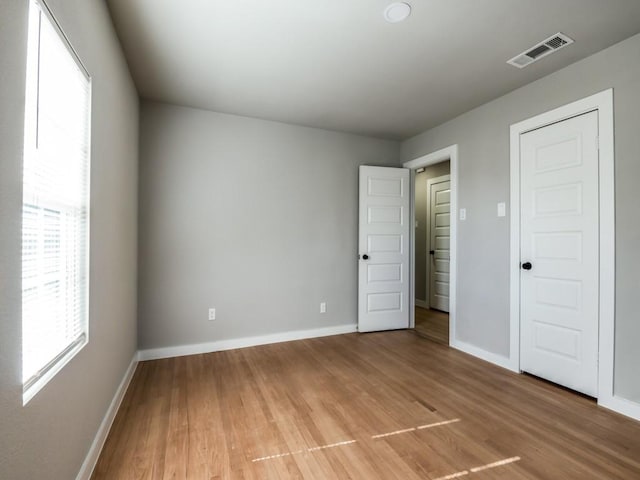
x=439 y=191
x=383 y=274
x=559 y=253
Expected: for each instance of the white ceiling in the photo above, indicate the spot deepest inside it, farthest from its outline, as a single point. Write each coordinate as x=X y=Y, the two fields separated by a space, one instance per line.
x=337 y=64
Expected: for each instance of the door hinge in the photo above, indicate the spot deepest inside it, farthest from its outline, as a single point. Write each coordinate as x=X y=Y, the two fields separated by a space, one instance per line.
x=597 y=142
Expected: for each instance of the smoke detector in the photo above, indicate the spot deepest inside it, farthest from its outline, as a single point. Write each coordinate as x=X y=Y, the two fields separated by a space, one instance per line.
x=397 y=12
x=542 y=49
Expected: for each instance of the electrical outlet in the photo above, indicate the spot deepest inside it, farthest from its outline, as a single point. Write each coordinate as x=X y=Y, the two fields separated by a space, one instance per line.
x=323 y=307
x=212 y=314
x=463 y=214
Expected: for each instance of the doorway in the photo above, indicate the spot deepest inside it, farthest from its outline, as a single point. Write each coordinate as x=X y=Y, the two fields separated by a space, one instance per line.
x=433 y=275
x=432 y=191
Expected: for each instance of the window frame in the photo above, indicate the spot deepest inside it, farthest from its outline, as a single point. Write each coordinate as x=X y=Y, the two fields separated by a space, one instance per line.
x=37 y=381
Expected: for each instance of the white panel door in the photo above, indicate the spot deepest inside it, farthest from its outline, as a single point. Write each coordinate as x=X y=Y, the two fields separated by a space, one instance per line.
x=383 y=274
x=439 y=192
x=559 y=253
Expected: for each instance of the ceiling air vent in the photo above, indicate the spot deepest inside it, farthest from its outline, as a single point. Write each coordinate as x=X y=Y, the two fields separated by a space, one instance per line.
x=544 y=48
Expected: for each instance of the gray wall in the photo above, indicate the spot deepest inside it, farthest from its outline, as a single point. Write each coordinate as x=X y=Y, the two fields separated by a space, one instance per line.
x=50 y=436
x=257 y=219
x=422 y=242
x=483 y=243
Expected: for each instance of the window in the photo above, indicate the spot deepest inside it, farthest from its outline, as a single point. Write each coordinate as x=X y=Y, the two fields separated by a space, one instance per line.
x=55 y=207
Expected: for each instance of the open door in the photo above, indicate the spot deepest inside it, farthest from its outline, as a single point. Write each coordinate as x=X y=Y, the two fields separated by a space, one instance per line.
x=383 y=275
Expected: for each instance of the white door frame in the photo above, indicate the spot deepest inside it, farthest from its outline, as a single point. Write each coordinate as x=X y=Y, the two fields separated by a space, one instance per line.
x=602 y=103
x=451 y=154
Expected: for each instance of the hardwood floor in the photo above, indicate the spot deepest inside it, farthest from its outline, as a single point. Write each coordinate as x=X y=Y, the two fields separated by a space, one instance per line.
x=433 y=325
x=360 y=406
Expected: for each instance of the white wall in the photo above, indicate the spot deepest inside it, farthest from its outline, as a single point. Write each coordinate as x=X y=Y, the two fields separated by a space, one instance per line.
x=483 y=239
x=255 y=218
x=50 y=436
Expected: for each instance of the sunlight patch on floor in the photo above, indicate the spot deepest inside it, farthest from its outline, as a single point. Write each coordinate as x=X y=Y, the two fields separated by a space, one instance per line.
x=350 y=442
x=439 y=424
x=397 y=432
x=495 y=464
x=413 y=429
x=481 y=468
x=308 y=450
x=454 y=475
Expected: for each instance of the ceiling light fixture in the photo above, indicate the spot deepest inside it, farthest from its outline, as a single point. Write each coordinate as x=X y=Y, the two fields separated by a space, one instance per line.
x=397 y=12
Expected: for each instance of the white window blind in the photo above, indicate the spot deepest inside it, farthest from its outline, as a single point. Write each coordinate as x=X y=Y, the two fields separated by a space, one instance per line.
x=55 y=215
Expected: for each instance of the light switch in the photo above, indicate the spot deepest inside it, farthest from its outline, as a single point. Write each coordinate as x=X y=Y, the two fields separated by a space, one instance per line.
x=502 y=209
x=463 y=214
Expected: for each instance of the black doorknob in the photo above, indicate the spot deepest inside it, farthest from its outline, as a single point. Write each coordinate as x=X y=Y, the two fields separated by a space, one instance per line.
x=365 y=257
x=432 y=252
x=527 y=266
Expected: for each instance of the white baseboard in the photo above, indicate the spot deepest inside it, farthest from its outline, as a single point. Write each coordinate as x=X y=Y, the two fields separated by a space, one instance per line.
x=422 y=304
x=193 y=349
x=621 y=405
x=504 y=362
x=98 y=442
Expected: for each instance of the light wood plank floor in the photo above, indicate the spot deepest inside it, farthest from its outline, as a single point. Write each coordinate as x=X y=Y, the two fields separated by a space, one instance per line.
x=432 y=324
x=360 y=406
